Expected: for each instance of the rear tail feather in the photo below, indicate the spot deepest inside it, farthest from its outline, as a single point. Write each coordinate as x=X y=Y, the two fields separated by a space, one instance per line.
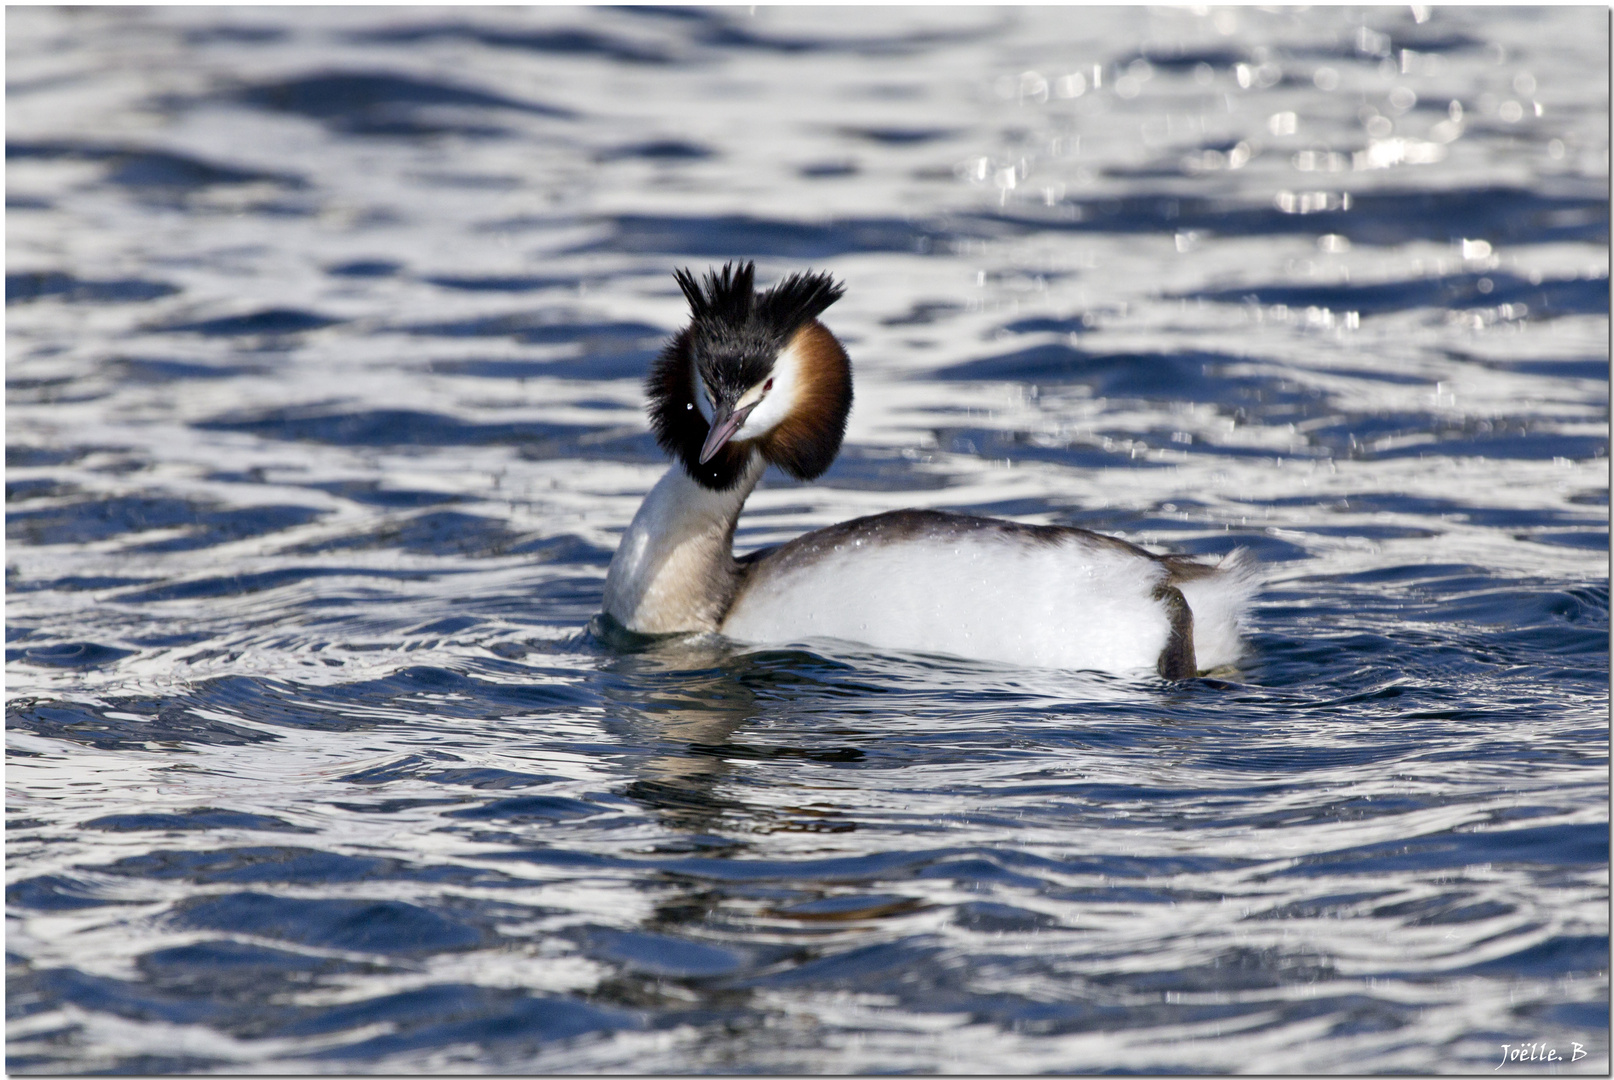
x=1220 y=602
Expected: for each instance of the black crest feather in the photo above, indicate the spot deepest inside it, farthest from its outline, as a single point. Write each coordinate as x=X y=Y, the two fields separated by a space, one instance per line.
x=727 y=295
x=734 y=336
x=796 y=299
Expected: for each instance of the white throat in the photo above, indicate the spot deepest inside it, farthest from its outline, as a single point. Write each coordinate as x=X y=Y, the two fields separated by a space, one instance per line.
x=674 y=570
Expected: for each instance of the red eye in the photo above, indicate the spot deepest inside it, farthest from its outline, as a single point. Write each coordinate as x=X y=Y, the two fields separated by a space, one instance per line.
x=767 y=386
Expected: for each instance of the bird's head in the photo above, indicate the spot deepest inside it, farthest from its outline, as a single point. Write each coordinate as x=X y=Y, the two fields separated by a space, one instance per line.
x=754 y=372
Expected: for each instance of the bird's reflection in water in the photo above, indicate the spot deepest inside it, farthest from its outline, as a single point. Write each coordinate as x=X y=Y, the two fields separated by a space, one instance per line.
x=689 y=701
x=688 y=704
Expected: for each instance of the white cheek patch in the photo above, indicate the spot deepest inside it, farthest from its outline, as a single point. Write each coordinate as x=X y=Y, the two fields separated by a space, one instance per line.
x=787 y=379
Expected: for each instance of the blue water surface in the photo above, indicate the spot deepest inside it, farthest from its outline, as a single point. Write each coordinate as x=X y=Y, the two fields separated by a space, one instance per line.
x=326 y=331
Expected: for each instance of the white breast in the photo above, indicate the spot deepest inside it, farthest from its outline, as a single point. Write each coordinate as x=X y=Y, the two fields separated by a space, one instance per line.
x=1066 y=604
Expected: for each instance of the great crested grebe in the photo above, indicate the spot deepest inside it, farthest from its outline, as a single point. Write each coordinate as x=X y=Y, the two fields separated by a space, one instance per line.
x=756 y=379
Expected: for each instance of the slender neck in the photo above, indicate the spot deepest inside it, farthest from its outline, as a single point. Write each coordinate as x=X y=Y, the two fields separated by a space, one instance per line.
x=674 y=570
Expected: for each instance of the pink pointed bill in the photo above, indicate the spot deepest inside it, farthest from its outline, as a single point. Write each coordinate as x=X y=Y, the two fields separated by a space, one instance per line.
x=725 y=422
